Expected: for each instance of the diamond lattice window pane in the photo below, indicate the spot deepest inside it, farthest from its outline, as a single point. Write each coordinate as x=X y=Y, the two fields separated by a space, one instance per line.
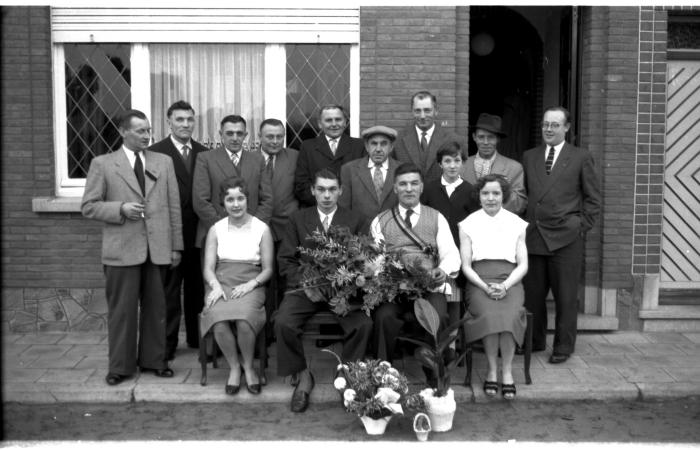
x=317 y=75
x=98 y=89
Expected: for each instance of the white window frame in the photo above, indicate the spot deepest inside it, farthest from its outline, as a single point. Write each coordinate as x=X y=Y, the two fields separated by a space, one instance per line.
x=275 y=100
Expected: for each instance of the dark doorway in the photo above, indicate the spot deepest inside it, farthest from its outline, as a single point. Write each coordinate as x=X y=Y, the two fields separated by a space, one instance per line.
x=520 y=62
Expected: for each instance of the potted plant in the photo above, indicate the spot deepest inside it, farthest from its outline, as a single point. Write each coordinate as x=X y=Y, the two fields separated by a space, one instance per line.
x=439 y=401
x=374 y=391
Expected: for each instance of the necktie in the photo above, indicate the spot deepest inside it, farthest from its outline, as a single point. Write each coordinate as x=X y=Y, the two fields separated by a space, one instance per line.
x=409 y=212
x=138 y=171
x=378 y=180
x=423 y=142
x=334 y=145
x=185 y=152
x=235 y=159
x=270 y=164
x=485 y=167
x=550 y=160
x=326 y=223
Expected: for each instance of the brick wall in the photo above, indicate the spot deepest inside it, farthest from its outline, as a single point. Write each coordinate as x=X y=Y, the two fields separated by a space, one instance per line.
x=51 y=272
x=407 y=49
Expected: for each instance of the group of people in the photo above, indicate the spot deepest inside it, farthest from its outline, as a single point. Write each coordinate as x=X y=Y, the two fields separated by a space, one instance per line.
x=227 y=225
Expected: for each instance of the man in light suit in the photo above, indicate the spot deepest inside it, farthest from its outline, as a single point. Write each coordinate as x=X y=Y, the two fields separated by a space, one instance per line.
x=183 y=151
x=330 y=149
x=280 y=163
x=487 y=133
x=419 y=142
x=297 y=307
x=135 y=193
x=563 y=204
x=229 y=160
x=368 y=183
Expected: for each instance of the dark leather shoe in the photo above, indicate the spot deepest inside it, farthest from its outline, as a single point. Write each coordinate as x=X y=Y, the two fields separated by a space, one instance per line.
x=558 y=358
x=300 y=399
x=253 y=388
x=232 y=389
x=163 y=373
x=114 y=379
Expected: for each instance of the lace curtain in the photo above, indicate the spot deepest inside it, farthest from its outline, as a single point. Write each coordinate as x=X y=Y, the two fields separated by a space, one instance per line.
x=216 y=79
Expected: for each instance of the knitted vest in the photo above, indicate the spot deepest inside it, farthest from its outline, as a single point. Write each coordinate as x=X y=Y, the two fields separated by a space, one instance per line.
x=396 y=240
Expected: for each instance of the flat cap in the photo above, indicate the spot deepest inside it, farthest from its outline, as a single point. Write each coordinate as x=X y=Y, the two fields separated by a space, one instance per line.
x=379 y=129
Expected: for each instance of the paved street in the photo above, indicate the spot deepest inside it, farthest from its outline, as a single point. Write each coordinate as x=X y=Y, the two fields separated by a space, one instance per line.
x=57 y=367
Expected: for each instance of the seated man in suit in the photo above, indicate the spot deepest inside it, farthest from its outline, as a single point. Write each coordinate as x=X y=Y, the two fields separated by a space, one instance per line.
x=330 y=149
x=134 y=193
x=487 y=133
x=419 y=142
x=227 y=161
x=368 y=183
x=297 y=307
x=280 y=163
x=412 y=229
x=183 y=151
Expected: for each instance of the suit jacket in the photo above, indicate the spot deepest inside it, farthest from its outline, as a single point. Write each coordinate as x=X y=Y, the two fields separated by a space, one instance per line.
x=359 y=194
x=214 y=166
x=184 y=176
x=315 y=154
x=509 y=168
x=302 y=224
x=455 y=208
x=564 y=204
x=110 y=182
x=284 y=203
x=407 y=149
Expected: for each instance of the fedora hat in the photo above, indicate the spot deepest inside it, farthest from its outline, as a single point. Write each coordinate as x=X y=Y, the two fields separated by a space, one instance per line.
x=491 y=123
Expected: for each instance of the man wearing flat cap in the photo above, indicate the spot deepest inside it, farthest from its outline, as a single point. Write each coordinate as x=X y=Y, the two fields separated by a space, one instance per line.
x=368 y=182
x=487 y=133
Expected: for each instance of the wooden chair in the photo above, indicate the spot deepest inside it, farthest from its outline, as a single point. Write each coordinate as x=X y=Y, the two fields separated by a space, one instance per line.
x=468 y=349
x=209 y=352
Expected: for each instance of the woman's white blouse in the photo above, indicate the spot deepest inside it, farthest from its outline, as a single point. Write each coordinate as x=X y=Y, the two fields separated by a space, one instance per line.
x=239 y=244
x=493 y=237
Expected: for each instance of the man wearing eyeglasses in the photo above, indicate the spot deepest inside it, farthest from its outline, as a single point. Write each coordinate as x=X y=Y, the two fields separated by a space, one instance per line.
x=563 y=204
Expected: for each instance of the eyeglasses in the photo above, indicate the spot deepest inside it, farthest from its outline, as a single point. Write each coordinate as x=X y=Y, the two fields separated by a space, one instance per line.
x=553 y=125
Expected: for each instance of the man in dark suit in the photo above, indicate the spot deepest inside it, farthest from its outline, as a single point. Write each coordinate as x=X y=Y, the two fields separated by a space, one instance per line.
x=183 y=151
x=229 y=160
x=330 y=149
x=298 y=307
x=419 y=142
x=368 y=183
x=280 y=163
x=563 y=204
x=487 y=134
x=135 y=193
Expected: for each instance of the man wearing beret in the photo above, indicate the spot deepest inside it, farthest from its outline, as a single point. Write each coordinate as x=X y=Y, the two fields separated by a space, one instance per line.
x=368 y=182
x=487 y=134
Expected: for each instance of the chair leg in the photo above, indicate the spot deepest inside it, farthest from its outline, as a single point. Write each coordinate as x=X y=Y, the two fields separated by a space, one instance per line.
x=469 y=362
x=203 y=356
x=528 y=348
x=262 y=355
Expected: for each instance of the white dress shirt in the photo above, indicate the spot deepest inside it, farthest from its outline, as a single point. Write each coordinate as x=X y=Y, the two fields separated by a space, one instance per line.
x=448 y=252
x=428 y=134
x=322 y=215
x=384 y=168
x=132 y=155
x=178 y=145
x=557 y=150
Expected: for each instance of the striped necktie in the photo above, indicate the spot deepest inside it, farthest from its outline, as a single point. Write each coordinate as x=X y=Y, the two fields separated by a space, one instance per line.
x=550 y=160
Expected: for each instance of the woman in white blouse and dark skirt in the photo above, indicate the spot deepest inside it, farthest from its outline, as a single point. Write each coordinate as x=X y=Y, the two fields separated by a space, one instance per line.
x=494 y=260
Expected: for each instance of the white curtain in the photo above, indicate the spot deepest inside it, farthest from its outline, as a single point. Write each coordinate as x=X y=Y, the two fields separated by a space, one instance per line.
x=216 y=79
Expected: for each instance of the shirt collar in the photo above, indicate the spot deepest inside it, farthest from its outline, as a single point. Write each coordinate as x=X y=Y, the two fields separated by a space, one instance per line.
x=428 y=132
x=230 y=153
x=329 y=139
x=557 y=148
x=416 y=210
x=266 y=155
x=178 y=145
x=455 y=183
x=330 y=215
x=371 y=165
x=491 y=159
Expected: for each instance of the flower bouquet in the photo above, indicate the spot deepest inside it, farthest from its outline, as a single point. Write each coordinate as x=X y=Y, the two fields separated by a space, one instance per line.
x=345 y=265
x=375 y=391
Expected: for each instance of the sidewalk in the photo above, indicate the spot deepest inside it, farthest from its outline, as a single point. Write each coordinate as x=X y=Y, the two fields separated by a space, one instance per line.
x=71 y=367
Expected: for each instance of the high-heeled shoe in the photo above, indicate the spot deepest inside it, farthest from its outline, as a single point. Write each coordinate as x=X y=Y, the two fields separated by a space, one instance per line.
x=253 y=388
x=232 y=389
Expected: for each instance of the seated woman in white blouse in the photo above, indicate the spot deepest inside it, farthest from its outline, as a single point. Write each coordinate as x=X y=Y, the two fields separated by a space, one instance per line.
x=494 y=260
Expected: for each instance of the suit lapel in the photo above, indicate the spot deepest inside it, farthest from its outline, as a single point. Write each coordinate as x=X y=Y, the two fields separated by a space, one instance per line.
x=221 y=157
x=435 y=141
x=124 y=169
x=181 y=172
x=365 y=175
x=153 y=170
x=389 y=181
x=313 y=222
x=559 y=167
x=410 y=142
x=323 y=148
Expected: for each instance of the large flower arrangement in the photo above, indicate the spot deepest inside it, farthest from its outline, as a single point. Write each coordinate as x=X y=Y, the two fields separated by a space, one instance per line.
x=374 y=388
x=344 y=265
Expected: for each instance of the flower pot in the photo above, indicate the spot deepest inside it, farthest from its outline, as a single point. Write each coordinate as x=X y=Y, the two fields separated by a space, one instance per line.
x=421 y=426
x=375 y=426
x=441 y=410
